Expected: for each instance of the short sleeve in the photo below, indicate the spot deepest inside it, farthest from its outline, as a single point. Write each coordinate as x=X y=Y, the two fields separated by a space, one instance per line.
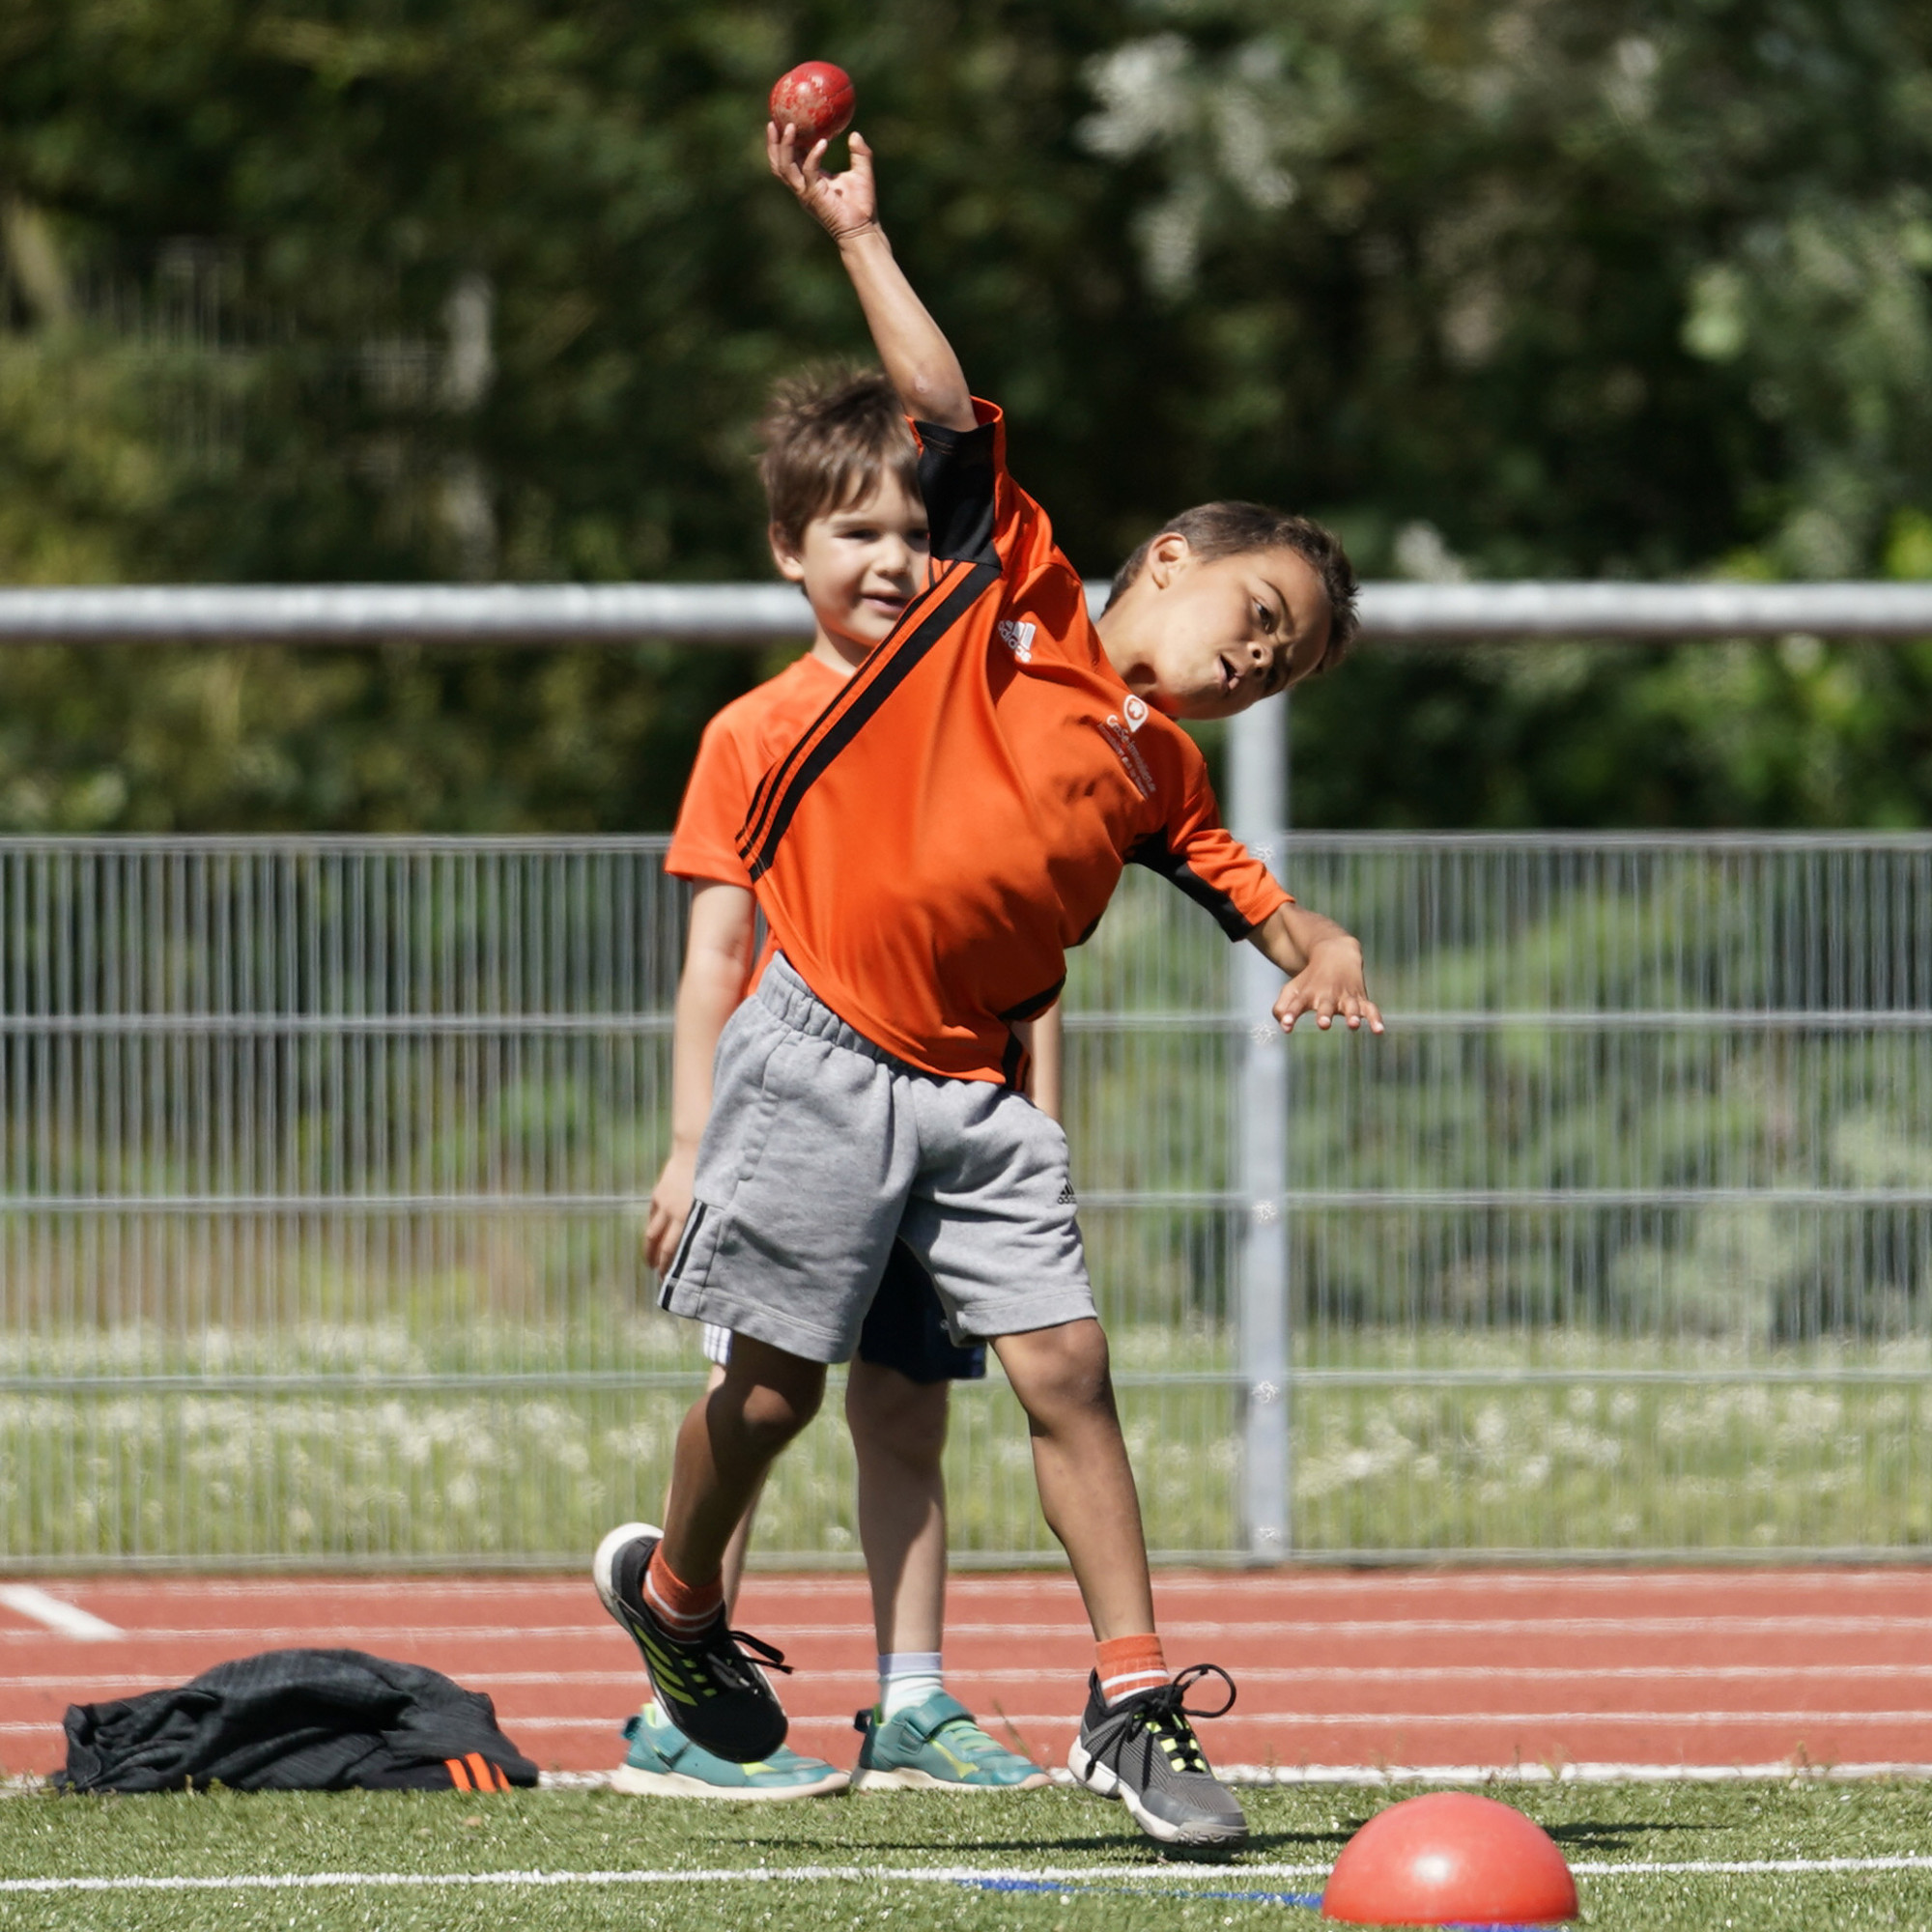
x=1196 y=852
x=705 y=843
x=975 y=511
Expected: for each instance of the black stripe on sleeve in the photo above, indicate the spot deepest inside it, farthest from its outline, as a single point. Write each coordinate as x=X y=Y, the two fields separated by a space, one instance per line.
x=956 y=478
x=973 y=584
x=1036 y=1004
x=1158 y=856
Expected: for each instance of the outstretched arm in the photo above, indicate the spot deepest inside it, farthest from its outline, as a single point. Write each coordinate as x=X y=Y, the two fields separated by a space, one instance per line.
x=1325 y=965
x=917 y=357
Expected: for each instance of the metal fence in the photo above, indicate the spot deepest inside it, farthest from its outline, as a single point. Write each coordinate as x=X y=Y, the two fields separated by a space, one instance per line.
x=323 y=1163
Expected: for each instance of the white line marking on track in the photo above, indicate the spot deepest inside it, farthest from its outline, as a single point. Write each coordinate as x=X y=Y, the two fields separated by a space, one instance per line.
x=1314 y=1674
x=1163 y=1878
x=1303 y=1629
x=66 y=1619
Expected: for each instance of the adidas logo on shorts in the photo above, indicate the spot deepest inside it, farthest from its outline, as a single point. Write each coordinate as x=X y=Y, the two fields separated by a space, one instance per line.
x=1068 y=1198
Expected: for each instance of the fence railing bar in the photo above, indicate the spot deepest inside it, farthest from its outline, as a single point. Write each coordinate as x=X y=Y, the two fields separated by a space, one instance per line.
x=240 y=1026
x=357 y=1381
x=1577 y=1020
x=748 y=613
x=1686 y=1019
x=1610 y=1377
x=1313 y=1200
x=1594 y=1199
x=283 y=1205
x=352 y=1382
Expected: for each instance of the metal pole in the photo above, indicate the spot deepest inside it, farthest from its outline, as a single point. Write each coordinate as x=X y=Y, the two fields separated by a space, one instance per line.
x=1258 y=801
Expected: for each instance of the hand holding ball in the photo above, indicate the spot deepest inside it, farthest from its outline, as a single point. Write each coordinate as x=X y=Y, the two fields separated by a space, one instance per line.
x=816 y=99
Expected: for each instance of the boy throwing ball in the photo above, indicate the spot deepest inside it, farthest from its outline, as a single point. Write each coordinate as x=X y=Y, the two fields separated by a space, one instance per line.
x=952 y=821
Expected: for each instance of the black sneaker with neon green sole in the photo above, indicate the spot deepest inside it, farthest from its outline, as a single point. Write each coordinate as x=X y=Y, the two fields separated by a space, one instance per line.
x=707 y=1685
x=1143 y=1751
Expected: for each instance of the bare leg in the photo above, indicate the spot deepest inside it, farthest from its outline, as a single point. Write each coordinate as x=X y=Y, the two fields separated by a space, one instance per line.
x=1080 y=1459
x=741 y=1537
x=899 y=1430
x=728 y=1442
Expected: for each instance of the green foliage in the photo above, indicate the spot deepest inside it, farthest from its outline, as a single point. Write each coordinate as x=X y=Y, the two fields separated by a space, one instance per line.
x=374 y=290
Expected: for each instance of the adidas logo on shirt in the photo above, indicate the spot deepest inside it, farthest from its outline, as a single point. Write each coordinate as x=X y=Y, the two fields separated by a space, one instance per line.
x=1017 y=637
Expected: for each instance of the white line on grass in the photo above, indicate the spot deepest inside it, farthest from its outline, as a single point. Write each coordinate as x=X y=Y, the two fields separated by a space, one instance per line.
x=68 y=1619
x=1383 y=1778
x=1163 y=1877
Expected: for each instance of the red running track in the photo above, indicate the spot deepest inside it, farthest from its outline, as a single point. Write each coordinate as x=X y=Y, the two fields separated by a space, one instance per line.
x=1416 y=1670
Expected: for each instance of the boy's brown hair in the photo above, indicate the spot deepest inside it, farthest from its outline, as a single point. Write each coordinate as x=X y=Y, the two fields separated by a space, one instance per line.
x=829 y=437
x=1230 y=528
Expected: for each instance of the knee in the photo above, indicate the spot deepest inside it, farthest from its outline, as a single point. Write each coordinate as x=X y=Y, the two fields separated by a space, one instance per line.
x=896 y=1420
x=1062 y=1371
x=768 y=1412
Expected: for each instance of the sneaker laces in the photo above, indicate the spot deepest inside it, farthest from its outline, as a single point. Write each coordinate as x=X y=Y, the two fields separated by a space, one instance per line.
x=729 y=1668
x=1162 y=1715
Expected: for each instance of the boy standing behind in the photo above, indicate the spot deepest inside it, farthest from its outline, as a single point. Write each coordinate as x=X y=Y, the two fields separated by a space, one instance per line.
x=842 y=482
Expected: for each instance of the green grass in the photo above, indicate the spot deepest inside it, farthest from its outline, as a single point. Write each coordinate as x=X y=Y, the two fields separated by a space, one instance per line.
x=1129 y=1888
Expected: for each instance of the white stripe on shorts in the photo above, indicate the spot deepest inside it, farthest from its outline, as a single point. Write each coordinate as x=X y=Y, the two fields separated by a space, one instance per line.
x=717 y=1343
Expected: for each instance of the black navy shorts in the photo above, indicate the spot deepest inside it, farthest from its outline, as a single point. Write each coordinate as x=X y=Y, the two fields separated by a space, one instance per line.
x=905 y=1327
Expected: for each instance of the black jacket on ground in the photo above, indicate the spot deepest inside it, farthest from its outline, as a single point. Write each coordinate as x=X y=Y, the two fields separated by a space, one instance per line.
x=296 y=1720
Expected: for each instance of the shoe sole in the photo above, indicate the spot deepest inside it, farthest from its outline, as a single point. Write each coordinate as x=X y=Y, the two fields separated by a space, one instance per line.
x=629 y=1779
x=1106 y=1783
x=911 y=1779
x=604 y=1562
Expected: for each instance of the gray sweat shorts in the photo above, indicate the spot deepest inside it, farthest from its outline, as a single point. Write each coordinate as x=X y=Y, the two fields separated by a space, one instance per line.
x=822 y=1149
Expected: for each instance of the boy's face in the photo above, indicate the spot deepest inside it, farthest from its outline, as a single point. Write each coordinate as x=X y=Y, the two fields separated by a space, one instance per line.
x=1226 y=633
x=860 y=566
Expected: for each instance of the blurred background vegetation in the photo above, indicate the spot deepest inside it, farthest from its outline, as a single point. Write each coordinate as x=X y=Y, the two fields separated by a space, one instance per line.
x=401 y=289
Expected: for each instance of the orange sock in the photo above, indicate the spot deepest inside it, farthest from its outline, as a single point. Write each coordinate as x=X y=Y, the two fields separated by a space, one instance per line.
x=1129 y=1663
x=684 y=1609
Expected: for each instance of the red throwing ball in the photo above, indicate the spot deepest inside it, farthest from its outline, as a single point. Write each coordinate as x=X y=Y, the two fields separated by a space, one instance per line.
x=1450 y=1857
x=816 y=99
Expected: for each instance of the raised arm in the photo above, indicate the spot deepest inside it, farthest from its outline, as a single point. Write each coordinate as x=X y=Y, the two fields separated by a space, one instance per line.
x=917 y=357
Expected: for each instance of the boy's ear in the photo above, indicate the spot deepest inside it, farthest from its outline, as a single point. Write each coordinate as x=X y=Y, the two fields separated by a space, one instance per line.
x=784 y=553
x=1168 y=555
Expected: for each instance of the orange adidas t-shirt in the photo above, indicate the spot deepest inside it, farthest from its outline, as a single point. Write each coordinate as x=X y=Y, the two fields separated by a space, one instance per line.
x=958 y=814
x=738 y=746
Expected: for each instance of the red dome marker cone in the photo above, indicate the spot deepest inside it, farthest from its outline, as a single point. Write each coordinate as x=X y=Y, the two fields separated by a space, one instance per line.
x=1450 y=1859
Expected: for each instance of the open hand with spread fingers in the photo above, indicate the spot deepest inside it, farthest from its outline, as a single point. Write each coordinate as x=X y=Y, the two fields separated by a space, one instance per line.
x=843 y=205
x=1331 y=987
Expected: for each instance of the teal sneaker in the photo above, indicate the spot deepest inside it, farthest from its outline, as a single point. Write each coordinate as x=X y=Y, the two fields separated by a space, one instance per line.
x=937 y=1747
x=664 y=1763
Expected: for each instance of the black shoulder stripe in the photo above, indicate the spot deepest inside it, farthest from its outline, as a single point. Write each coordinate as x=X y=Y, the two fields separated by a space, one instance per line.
x=778 y=772
x=1158 y=856
x=761 y=848
x=1036 y=1004
x=956 y=479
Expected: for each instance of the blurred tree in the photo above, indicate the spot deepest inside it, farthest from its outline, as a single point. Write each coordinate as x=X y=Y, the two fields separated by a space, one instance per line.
x=341 y=288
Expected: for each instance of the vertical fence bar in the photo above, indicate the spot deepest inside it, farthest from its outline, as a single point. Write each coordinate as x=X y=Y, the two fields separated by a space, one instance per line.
x=1257 y=792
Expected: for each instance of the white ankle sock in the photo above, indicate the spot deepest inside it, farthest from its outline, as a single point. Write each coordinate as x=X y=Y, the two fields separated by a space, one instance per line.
x=907 y=1677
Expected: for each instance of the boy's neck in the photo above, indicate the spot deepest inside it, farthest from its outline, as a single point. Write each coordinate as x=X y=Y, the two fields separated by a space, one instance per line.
x=1130 y=659
x=839 y=654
